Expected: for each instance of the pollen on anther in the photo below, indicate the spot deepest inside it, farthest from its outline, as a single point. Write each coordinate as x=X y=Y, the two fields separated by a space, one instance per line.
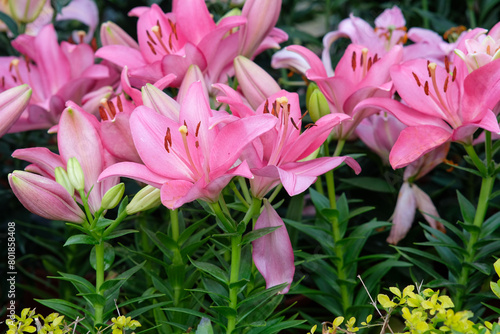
x=103 y=114
x=428 y=69
x=150 y=37
x=304 y=115
x=152 y=48
x=266 y=107
x=353 y=61
x=112 y=109
x=426 y=88
x=119 y=103
x=375 y=58
x=293 y=123
x=454 y=76
x=159 y=28
x=447 y=64
x=168 y=140
x=197 y=129
x=445 y=84
x=416 y=79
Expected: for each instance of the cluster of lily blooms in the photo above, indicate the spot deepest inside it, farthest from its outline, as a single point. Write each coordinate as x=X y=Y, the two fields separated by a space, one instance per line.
x=109 y=110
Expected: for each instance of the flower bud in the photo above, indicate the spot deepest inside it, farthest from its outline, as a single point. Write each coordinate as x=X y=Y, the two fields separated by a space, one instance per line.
x=26 y=11
x=113 y=196
x=45 y=197
x=75 y=174
x=317 y=104
x=255 y=82
x=63 y=179
x=112 y=34
x=147 y=198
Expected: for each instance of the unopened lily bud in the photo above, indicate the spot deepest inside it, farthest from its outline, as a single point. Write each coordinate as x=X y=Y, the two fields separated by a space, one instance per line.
x=75 y=174
x=113 y=196
x=63 y=179
x=147 y=198
x=45 y=197
x=317 y=105
x=112 y=34
x=26 y=11
x=256 y=84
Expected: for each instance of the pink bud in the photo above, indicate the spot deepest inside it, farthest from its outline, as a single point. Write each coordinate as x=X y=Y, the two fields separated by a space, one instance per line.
x=45 y=197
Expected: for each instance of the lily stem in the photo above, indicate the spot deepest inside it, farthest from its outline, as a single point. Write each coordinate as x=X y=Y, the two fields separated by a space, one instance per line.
x=99 y=280
x=336 y=235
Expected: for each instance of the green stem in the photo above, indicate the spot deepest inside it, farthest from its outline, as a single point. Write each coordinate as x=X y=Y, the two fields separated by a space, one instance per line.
x=482 y=206
x=476 y=160
x=244 y=189
x=336 y=235
x=174 y=223
x=275 y=192
x=234 y=277
x=470 y=12
x=238 y=194
x=99 y=280
x=425 y=8
x=115 y=224
x=228 y=225
x=90 y=218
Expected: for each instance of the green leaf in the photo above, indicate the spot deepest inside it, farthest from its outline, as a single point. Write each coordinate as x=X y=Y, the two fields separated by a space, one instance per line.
x=109 y=256
x=256 y=234
x=119 y=233
x=67 y=308
x=80 y=283
x=319 y=201
x=81 y=239
x=358 y=211
x=468 y=210
x=370 y=183
x=123 y=277
x=93 y=298
x=212 y=270
x=123 y=205
x=10 y=23
x=495 y=288
x=188 y=311
x=226 y=311
x=481 y=267
x=103 y=223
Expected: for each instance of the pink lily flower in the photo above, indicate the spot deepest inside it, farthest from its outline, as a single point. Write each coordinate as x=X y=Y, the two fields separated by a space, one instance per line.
x=78 y=137
x=45 y=197
x=479 y=48
x=389 y=31
x=13 y=102
x=60 y=73
x=359 y=74
x=273 y=253
x=283 y=154
x=440 y=106
x=169 y=43
x=190 y=158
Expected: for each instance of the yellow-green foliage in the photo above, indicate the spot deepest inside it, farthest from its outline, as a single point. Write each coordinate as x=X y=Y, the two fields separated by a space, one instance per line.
x=424 y=312
x=30 y=322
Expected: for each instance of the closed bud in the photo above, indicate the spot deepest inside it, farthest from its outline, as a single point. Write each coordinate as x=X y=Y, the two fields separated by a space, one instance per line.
x=113 y=196
x=26 y=11
x=317 y=104
x=147 y=198
x=75 y=174
x=63 y=179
